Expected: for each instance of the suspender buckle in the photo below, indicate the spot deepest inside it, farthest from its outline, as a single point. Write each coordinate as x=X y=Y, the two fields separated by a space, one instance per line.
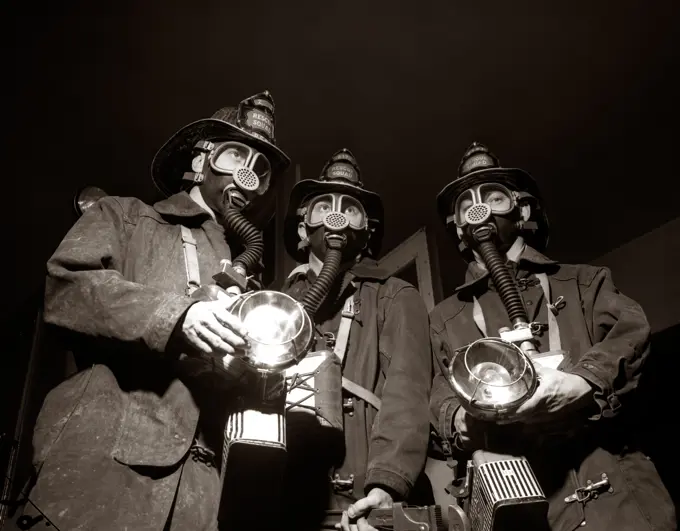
x=343 y=484
x=329 y=340
x=348 y=406
x=348 y=309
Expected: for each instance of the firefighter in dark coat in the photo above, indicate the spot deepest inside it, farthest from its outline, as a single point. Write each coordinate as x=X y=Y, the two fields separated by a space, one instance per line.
x=358 y=428
x=574 y=429
x=127 y=443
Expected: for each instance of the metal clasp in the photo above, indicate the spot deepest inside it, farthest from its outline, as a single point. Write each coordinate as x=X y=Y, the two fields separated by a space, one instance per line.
x=329 y=339
x=537 y=328
x=556 y=306
x=202 y=455
x=204 y=146
x=340 y=484
x=462 y=487
x=348 y=406
x=527 y=282
x=348 y=310
x=591 y=490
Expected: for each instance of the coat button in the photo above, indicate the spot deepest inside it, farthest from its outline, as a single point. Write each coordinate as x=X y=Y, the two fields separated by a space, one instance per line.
x=529 y=303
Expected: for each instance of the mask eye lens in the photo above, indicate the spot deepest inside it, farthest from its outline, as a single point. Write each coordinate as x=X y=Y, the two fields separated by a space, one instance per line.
x=230 y=157
x=318 y=209
x=262 y=169
x=497 y=197
x=461 y=206
x=261 y=166
x=353 y=211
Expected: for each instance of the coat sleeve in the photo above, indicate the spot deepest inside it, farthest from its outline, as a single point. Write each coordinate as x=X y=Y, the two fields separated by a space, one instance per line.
x=86 y=292
x=443 y=401
x=620 y=335
x=399 y=439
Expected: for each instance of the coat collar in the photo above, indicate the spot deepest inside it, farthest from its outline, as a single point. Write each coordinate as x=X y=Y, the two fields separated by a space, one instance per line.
x=180 y=205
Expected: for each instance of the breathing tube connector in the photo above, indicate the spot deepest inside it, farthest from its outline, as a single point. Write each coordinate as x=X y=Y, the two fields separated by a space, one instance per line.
x=318 y=291
x=500 y=275
x=251 y=237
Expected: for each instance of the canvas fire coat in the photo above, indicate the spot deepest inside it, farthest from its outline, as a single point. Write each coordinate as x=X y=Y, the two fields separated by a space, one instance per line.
x=606 y=336
x=111 y=442
x=389 y=354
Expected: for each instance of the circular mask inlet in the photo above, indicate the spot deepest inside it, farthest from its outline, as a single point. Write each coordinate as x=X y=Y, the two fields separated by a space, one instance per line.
x=478 y=213
x=336 y=221
x=246 y=179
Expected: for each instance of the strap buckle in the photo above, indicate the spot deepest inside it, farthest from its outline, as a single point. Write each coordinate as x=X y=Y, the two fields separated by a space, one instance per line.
x=329 y=339
x=591 y=490
x=341 y=484
x=202 y=455
x=527 y=282
x=348 y=405
x=348 y=309
x=537 y=328
x=556 y=306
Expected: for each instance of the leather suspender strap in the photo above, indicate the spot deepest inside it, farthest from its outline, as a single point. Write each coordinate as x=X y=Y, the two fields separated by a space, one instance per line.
x=478 y=316
x=367 y=396
x=342 y=338
x=190 y=260
x=340 y=349
x=301 y=269
x=361 y=392
x=341 y=342
x=553 y=328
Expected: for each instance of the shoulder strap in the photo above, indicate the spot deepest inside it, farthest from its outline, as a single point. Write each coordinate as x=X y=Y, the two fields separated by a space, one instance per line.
x=361 y=392
x=341 y=346
x=190 y=260
x=342 y=339
x=553 y=328
x=341 y=343
x=478 y=316
x=301 y=269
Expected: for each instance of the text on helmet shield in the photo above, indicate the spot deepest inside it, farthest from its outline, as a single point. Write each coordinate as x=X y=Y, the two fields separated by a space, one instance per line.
x=260 y=121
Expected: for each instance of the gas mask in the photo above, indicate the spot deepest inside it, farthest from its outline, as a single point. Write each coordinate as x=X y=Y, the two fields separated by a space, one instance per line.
x=488 y=207
x=236 y=171
x=335 y=214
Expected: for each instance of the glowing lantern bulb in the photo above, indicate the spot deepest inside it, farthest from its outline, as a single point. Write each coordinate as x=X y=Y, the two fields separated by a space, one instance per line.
x=269 y=324
x=495 y=378
x=492 y=373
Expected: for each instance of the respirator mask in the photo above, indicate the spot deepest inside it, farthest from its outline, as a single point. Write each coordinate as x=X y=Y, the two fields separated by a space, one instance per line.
x=488 y=206
x=247 y=171
x=336 y=214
